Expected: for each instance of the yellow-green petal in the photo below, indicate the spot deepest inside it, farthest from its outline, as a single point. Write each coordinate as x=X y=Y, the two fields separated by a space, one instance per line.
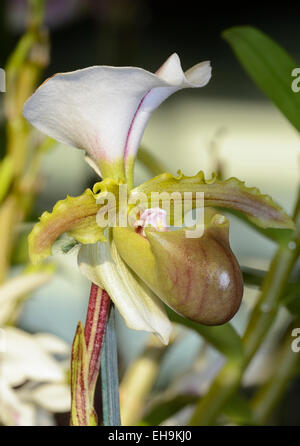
x=77 y=216
x=74 y=215
x=232 y=194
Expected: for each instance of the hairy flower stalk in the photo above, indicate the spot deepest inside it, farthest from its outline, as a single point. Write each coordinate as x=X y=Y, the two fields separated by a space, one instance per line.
x=146 y=262
x=85 y=359
x=94 y=329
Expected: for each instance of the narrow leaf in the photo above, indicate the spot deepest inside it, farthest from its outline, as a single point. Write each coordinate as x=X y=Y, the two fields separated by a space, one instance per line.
x=239 y=410
x=270 y=67
x=277 y=235
x=291 y=295
x=291 y=298
x=167 y=407
x=109 y=375
x=6 y=176
x=252 y=276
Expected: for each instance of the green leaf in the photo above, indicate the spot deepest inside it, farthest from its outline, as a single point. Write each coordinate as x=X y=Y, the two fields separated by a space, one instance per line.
x=6 y=176
x=270 y=67
x=291 y=294
x=109 y=375
x=239 y=410
x=277 y=235
x=291 y=298
x=252 y=276
x=166 y=407
x=223 y=337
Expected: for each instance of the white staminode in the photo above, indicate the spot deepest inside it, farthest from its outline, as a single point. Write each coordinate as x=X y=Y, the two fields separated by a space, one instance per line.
x=104 y=110
x=140 y=308
x=155 y=217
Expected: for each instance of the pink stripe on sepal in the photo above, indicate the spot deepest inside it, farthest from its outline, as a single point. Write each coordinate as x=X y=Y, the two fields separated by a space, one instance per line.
x=85 y=359
x=94 y=331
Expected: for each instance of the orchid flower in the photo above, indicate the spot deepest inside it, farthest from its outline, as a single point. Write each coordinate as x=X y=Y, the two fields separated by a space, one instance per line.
x=104 y=110
x=140 y=266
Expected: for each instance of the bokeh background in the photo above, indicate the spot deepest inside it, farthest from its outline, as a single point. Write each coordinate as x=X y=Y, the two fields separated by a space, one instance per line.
x=228 y=123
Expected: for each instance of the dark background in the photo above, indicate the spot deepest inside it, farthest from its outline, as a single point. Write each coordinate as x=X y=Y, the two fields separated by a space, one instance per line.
x=142 y=32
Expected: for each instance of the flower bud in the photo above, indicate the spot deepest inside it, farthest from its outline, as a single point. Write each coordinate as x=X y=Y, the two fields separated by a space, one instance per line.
x=197 y=277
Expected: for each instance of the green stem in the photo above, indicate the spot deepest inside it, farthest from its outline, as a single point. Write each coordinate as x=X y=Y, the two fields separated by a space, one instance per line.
x=36 y=12
x=266 y=398
x=273 y=287
x=267 y=306
x=229 y=378
x=150 y=161
x=222 y=388
x=109 y=375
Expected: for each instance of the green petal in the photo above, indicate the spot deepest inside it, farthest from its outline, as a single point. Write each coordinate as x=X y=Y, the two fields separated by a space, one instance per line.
x=74 y=215
x=232 y=194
